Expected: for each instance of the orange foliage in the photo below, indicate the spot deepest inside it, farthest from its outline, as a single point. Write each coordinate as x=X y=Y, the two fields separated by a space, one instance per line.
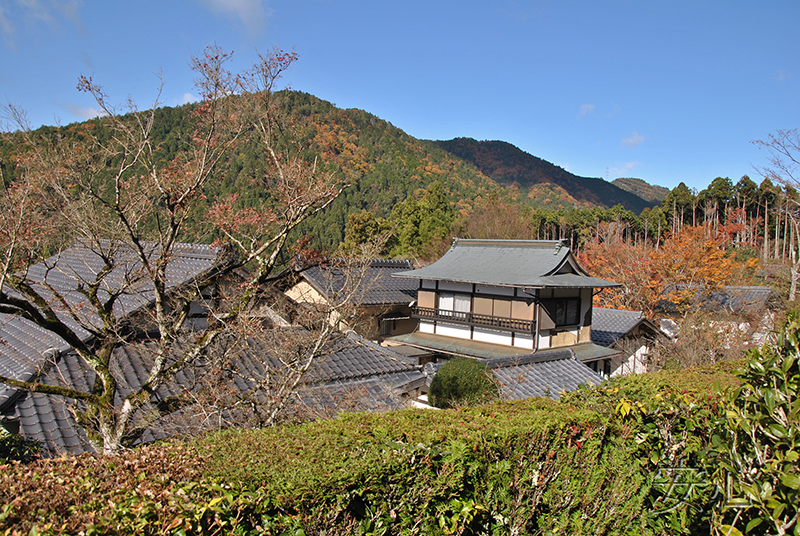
x=694 y=258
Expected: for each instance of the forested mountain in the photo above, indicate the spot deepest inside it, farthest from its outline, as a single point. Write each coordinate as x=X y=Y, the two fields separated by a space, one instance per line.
x=382 y=165
x=511 y=166
x=648 y=192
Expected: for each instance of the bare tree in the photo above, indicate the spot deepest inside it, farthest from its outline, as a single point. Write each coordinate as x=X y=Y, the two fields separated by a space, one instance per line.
x=784 y=154
x=109 y=190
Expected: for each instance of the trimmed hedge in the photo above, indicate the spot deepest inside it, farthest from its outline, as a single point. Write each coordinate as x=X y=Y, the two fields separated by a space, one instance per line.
x=531 y=467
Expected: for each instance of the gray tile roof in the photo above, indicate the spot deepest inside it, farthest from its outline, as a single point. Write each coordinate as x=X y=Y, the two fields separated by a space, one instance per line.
x=610 y=325
x=741 y=299
x=377 y=287
x=517 y=263
x=355 y=368
x=730 y=299
x=546 y=377
x=545 y=373
x=356 y=357
x=24 y=345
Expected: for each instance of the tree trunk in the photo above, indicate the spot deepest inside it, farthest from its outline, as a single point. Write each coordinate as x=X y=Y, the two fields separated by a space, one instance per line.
x=658 y=238
x=777 y=234
x=766 y=229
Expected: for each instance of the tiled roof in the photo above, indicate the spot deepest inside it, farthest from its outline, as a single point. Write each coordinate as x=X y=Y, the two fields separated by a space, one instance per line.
x=25 y=345
x=544 y=377
x=740 y=299
x=730 y=299
x=516 y=263
x=610 y=325
x=545 y=373
x=376 y=287
x=353 y=365
x=356 y=357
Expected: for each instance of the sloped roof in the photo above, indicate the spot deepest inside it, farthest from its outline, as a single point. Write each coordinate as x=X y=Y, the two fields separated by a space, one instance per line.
x=353 y=365
x=512 y=263
x=740 y=299
x=729 y=298
x=356 y=357
x=610 y=325
x=545 y=373
x=548 y=375
x=457 y=346
x=25 y=345
x=376 y=287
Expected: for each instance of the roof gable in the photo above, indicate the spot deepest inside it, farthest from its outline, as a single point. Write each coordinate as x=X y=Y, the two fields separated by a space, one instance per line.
x=513 y=263
x=376 y=285
x=611 y=325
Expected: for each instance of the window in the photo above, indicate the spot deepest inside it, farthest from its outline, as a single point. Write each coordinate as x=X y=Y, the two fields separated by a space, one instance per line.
x=565 y=312
x=601 y=366
x=387 y=325
x=455 y=305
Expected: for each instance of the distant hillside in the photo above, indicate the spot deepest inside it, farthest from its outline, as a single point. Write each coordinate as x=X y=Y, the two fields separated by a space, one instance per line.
x=648 y=192
x=383 y=165
x=509 y=165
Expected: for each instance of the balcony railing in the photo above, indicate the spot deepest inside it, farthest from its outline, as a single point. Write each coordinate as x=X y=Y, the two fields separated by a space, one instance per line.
x=473 y=319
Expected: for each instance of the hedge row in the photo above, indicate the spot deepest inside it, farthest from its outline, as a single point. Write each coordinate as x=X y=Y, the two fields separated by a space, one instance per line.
x=581 y=466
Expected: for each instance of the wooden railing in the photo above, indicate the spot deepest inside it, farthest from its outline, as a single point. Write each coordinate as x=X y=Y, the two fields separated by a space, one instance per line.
x=473 y=319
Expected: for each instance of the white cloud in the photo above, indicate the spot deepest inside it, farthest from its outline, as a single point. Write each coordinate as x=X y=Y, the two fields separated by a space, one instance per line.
x=634 y=140
x=186 y=98
x=586 y=109
x=39 y=11
x=622 y=170
x=6 y=27
x=252 y=13
x=83 y=113
x=36 y=10
x=780 y=76
x=70 y=12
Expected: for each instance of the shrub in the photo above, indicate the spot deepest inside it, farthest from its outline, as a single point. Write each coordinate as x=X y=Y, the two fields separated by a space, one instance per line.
x=462 y=381
x=14 y=447
x=755 y=459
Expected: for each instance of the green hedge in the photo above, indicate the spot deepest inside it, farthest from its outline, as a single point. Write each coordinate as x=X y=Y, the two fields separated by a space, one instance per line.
x=580 y=466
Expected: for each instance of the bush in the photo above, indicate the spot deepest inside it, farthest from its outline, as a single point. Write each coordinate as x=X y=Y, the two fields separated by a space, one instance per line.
x=14 y=447
x=462 y=381
x=755 y=458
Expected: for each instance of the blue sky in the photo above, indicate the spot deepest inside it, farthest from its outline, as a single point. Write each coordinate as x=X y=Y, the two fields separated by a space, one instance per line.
x=666 y=91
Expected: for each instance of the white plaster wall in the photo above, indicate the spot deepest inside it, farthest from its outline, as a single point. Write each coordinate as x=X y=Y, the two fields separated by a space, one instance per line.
x=452 y=330
x=586 y=303
x=425 y=327
x=492 y=336
x=303 y=292
x=635 y=364
x=544 y=338
x=523 y=340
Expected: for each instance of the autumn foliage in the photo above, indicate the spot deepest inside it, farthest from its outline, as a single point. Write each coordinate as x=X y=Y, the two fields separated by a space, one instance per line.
x=695 y=257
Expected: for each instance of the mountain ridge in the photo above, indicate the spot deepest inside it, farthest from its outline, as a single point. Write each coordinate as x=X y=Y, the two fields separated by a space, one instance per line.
x=509 y=165
x=643 y=189
x=384 y=165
